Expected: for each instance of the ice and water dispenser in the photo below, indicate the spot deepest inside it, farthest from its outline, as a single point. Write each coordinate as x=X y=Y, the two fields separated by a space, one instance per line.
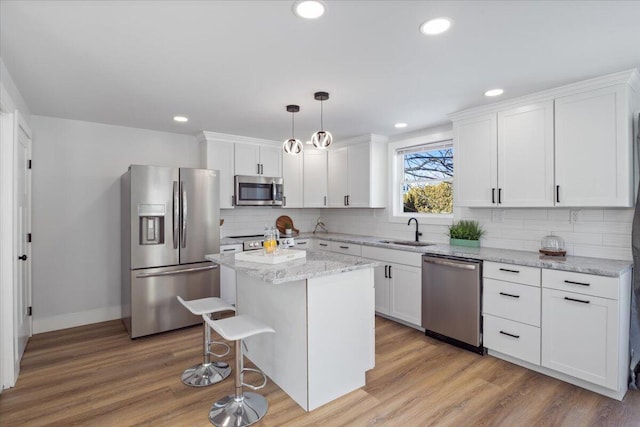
x=151 y=221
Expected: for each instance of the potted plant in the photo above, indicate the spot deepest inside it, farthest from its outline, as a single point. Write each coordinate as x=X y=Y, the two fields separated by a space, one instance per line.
x=465 y=233
x=288 y=228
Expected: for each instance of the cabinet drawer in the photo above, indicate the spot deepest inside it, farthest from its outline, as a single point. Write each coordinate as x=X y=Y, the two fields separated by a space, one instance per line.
x=512 y=301
x=588 y=284
x=512 y=338
x=512 y=273
x=393 y=255
x=229 y=249
x=303 y=243
x=322 y=245
x=345 y=248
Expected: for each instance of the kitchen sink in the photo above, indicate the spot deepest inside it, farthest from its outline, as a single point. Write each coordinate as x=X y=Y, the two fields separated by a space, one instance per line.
x=406 y=243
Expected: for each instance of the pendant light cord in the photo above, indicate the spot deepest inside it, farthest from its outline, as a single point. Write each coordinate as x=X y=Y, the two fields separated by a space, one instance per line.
x=321 y=115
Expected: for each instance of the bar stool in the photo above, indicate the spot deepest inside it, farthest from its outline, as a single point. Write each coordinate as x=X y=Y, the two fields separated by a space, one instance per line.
x=207 y=372
x=241 y=409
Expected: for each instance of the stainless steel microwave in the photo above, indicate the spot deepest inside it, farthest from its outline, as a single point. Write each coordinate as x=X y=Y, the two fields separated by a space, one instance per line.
x=258 y=191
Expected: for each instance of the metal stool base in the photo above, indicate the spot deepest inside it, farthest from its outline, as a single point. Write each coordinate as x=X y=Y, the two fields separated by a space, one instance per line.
x=202 y=375
x=238 y=413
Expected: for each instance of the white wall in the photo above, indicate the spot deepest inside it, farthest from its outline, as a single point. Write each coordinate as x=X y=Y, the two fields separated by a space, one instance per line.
x=76 y=213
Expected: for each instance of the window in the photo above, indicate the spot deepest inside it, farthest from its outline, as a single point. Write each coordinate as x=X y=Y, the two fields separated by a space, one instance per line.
x=425 y=178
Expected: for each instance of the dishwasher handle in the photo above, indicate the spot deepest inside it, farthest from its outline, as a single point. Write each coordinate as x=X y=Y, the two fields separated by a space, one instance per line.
x=453 y=264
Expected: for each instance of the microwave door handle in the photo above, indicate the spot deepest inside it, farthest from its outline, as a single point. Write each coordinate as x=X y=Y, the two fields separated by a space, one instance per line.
x=176 y=214
x=183 y=236
x=273 y=192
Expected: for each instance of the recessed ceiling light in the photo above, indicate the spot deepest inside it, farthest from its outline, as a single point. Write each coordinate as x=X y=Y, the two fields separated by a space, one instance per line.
x=400 y=125
x=494 y=92
x=181 y=119
x=435 y=26
x=309 y=9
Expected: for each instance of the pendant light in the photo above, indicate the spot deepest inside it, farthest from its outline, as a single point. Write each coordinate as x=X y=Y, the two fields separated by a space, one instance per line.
x=292 y=145
x=321 y=138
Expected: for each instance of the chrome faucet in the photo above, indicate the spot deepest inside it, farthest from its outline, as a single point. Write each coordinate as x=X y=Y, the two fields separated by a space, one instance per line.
x=418 y=234
x=320 y=224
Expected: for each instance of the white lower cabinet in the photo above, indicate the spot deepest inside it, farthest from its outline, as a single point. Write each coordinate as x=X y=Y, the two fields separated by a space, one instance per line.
x=228 y=275
x=398 y=283
x=513 y=338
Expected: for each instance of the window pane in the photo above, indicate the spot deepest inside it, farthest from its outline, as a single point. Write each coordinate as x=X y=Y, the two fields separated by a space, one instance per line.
x=427 y=176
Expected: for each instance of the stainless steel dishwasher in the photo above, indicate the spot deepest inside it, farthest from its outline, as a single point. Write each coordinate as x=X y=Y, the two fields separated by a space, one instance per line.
x=451 y=298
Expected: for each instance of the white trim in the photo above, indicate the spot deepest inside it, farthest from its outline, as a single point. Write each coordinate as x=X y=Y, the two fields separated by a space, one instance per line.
x=80 y=318
x=215 y=136
x=393 y=147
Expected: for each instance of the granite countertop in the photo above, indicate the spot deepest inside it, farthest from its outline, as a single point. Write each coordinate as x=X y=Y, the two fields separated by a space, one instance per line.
x=598 y=266
x=316 y=264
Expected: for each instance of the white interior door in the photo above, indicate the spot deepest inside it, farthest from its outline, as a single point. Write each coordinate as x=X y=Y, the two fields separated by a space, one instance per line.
x=22 y=192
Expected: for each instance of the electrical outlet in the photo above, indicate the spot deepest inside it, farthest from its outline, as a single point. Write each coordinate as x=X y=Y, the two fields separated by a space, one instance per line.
x=574 y=215
x=497 y=215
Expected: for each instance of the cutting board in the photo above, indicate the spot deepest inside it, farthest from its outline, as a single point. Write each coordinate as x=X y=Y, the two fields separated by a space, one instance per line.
x=281 y=223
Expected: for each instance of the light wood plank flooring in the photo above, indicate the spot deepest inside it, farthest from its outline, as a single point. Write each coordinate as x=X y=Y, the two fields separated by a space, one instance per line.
x=96 y=376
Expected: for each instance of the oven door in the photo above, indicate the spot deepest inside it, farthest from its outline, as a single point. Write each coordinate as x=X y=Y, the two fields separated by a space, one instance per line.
x=258 y=191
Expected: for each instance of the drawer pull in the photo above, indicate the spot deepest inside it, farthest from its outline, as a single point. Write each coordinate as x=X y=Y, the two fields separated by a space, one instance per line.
x=323 y=244
x=344 y=247
x=510 y=335
x=300 y=243
x=571 y=282
x=509 y=271
x=509 y=295
x=229 y=250
x=577 y=300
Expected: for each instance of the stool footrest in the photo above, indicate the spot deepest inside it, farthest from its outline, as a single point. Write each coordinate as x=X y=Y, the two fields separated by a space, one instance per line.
x=251 y=386
x=225 y=345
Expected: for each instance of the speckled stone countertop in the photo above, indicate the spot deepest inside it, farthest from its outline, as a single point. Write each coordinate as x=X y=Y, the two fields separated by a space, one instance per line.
x=599 y=266
x=316 y=264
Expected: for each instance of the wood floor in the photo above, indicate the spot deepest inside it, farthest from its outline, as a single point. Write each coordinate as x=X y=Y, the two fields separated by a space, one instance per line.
x=96 y=376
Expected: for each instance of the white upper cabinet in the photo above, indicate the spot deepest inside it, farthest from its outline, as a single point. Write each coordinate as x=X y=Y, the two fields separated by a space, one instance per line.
x=315 y=178
x=525 y=156
x=569 y=146
x=593 y=150
x=357 y=173
x=476 y=145
x=256 y=159
x=218 y=153
x=293 y=176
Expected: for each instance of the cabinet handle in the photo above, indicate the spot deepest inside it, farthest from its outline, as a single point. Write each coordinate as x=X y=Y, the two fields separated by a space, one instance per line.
x=261 y=169
x=557 y=194
x=344 y=200
x=510 y=335
x=389 y=272
x=325 y=200
x=571 y=282
x=493 y=195
x=300 y=243
x=509 y=271
x=509 y=295
x=499 y=195
x=228 y=250
x=386 y=274
x=344 y=247
x=577 y=300
x=348 y=201
x=322 y=244
x=258 y=165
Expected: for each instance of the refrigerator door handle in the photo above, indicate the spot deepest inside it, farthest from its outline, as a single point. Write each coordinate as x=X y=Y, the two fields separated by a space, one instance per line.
x=176 y=214
x=183 y=234
x=168 y=273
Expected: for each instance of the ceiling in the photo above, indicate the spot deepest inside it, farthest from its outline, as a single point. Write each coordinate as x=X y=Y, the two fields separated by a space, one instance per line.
x=233 y=66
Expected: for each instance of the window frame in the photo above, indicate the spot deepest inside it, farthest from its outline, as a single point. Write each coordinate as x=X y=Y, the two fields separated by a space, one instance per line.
x=396 y=169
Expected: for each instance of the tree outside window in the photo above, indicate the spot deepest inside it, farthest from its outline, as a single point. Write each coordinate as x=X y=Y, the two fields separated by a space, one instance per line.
x=427 y=174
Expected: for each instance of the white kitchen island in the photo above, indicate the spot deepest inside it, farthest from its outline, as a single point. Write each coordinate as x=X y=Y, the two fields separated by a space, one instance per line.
x=322 y=309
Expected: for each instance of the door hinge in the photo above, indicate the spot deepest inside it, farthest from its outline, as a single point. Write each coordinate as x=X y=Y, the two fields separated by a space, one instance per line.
x=29 y=164
x=29 y=311
x=28 y=237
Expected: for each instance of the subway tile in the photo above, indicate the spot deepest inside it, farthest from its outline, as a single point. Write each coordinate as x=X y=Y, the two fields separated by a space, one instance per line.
x=548 y=226
x=619 y=240
x=619 y=215
x=502 y=243
x=526 y=214
x=559 y=215
x=590 y=215
x=603 y=227
x=603 y=252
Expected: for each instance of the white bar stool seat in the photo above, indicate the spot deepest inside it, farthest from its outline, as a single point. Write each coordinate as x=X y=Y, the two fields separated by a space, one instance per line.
x=241 y=409
x=207 y=372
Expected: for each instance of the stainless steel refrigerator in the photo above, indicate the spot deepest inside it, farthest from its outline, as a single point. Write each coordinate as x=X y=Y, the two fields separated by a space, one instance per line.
x=170 y=221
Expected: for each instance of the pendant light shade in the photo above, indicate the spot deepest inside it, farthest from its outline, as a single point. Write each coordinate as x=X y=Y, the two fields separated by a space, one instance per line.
x=321 y=138
x=292 y=145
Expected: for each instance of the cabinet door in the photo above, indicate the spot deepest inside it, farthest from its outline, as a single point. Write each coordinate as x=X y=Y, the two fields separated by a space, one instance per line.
x=292 y=173
x=247 y=159
x=593 y=149
x=406 y=293
x=315 y=178
x=476 y=144
x=525 y=156
x=338 y=177
x=359 y=175
x=228 y=284
x=382 y=288
x=220 y=156
x=579 y=336
x=271 y=161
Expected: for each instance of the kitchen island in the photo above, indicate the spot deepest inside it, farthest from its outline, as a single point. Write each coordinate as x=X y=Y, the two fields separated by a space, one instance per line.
x=322 y=309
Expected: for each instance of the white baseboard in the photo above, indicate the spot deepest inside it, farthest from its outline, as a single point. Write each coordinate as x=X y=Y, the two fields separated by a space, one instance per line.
x=71 y=320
